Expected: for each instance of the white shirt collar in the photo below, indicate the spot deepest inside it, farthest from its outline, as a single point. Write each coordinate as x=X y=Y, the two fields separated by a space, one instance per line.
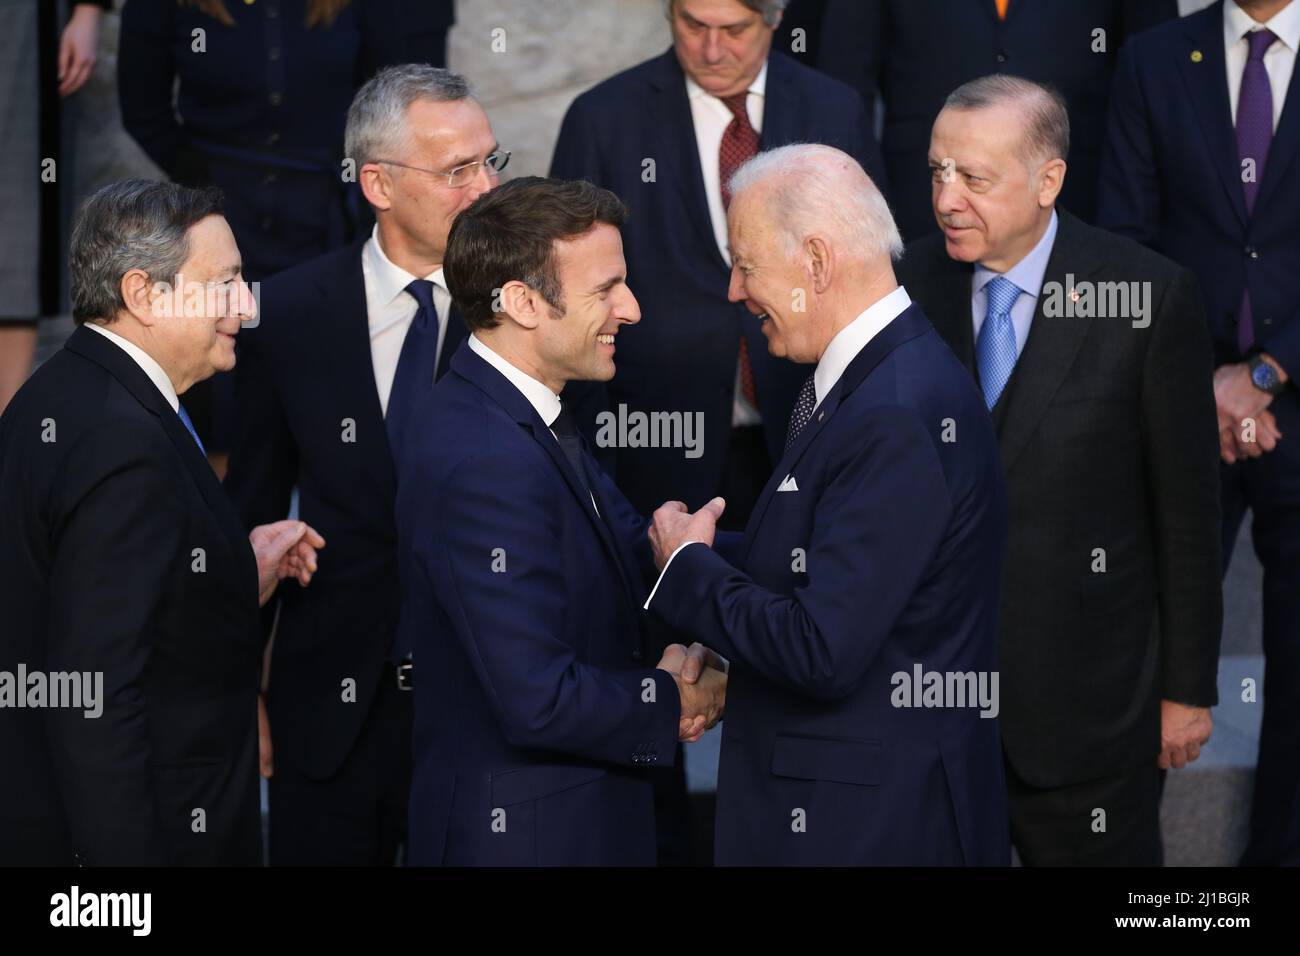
x=758 y=87
x=851 y=339
x=391 y=279
x=1285 y=24
x=145 y=361
x=539 y=395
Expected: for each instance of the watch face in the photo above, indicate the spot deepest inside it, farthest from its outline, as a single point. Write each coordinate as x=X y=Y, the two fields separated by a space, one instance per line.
x=1263 y=376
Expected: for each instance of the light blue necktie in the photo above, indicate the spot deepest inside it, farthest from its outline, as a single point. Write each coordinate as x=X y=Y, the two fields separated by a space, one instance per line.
x=189 y=427
x=995 y=350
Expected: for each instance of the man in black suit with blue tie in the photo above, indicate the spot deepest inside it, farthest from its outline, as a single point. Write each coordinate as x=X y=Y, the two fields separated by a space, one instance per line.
x=349 y=343
x=1202 y=164
x=127 y=575
x=1094 y=363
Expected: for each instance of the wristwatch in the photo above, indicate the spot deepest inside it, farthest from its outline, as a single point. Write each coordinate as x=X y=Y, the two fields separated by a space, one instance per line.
x=1264 y=376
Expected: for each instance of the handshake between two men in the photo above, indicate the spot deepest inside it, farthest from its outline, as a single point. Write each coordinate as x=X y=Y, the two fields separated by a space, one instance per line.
x=700 y=673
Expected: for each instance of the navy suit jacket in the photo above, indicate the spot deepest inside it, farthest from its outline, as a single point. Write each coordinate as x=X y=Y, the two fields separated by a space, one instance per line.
x=535 y=705
x=308 y=415
x=682 y=355
x=1171 y=179
x=120 y=554
x=888 y=555
x=913 y=53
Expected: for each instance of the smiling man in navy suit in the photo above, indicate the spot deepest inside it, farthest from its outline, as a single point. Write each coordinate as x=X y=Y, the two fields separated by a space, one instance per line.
x=349 y=343
x=523 y=567
x=860 y=614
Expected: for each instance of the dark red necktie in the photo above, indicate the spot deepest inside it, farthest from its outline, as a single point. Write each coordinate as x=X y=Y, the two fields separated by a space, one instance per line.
x=739 y=143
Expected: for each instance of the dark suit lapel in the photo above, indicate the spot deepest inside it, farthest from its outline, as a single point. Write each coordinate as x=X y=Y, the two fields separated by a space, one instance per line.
x=91 y=345
x=909 y=323
x=1050 y=349
x=672 y=115
x=1286 y=141
x=342 y=305
x=1204 y=69
x=501 y=390
x=948 y=289
x=782 y=119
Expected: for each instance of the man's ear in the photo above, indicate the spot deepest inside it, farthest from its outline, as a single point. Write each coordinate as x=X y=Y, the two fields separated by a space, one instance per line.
x=376 y=185
x=820 y=263
x=1051 y=179
x=144 y=301
x=521 y=304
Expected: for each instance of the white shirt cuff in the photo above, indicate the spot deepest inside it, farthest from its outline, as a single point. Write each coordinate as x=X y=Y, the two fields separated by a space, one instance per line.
x=646 y=606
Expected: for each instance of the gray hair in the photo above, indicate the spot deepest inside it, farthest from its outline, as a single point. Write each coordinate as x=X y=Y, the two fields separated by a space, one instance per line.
x=771 y=10
x=376 y=126
x=135 y=224
x=1047 y=130
x=823 y=190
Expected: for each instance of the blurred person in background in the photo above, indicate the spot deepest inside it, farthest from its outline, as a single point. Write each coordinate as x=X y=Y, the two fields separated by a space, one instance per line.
x=39 y=65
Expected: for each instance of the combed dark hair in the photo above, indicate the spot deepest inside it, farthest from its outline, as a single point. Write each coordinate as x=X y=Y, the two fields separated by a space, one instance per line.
x=1047 y=133
x=134 y=224
x=509 y=234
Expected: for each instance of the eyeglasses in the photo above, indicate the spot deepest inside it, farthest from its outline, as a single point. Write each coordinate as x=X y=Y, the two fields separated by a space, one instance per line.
x=462 y=176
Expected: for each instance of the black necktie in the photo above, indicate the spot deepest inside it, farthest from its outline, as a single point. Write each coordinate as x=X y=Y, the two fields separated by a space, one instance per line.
x=803 y=409
x=417 y=363
x=566 y=433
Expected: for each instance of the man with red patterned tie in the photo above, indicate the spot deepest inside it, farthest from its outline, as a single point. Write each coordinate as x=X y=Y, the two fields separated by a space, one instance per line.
x=666 y=136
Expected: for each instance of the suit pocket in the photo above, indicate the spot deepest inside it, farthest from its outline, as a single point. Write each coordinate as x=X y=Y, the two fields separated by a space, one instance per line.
x=533 y=783
x=837 y=759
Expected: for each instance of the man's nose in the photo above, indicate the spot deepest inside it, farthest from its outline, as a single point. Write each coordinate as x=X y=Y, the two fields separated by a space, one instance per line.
x=949 y=196
x=628 y=310
x=713 y=46
x=736 y=287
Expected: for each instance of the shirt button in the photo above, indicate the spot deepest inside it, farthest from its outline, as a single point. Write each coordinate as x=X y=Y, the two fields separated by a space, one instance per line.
x=276 y=98
x=1252 y=252
x=274 y=53
x=273 y=139
x=266 y=223
x=1002 y=56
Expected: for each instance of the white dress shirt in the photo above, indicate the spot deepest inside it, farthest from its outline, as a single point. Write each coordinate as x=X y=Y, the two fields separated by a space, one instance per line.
x=390 y=309
x=711 y=118
x=1279 y=58
x=1027 y=275
x=146 y=363
x=839 y=353
x=853 y=338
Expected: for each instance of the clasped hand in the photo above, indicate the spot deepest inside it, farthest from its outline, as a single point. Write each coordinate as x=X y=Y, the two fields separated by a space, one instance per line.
x=701 y=677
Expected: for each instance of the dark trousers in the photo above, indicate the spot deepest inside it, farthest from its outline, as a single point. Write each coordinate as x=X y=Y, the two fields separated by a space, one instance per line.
x=1270 y=488
x=1059 y=826
x=747 y=470
x=357 y=817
